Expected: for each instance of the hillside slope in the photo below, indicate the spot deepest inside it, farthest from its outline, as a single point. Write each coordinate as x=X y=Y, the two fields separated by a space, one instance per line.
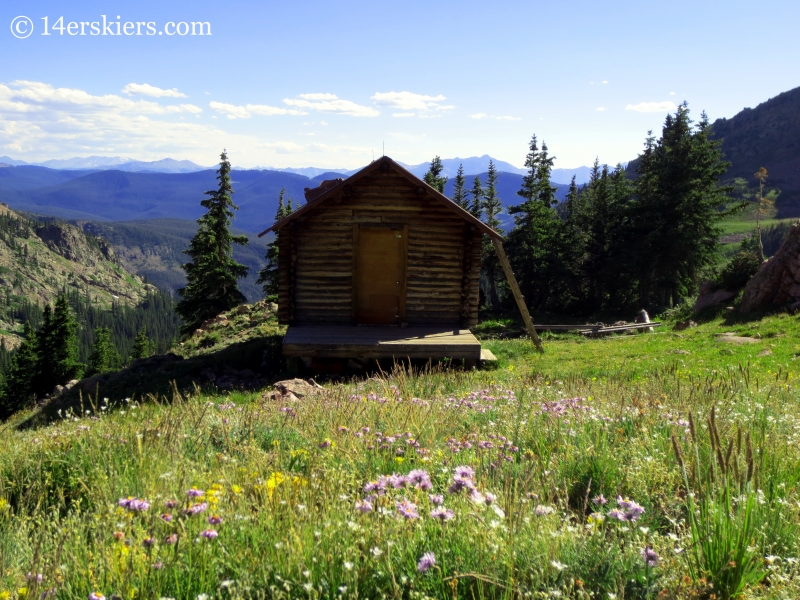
x=767 y=136
x=40 y=259
x=154 y=249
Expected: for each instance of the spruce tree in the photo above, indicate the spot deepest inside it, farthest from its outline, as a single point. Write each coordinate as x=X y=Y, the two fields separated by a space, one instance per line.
x=535 y=242
x=268 y=276
x=212 y=275
x=678 y=207
x=432 y=177
x=57 y=348
x=476 y=205
x=142 y=346
x=491 y=208
x=17 y=390
x=459 y=191
x=105 y=357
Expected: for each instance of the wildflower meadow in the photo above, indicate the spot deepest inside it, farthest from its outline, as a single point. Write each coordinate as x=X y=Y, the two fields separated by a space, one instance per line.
x=439 y=483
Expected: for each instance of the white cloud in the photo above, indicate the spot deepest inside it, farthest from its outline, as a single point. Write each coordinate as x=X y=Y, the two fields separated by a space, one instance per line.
x=403 y=114
x=672 y=93
x=601 y=108
x=605 y=82
x=145 y=89
x=495 y=117
x=331 y=103
x=233 y=111
x=407 y=101
x=652 y=106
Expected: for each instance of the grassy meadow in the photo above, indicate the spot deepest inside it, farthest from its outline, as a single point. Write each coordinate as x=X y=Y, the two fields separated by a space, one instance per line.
x=659 y=465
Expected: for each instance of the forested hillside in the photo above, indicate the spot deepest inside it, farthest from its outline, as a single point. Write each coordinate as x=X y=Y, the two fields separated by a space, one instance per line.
x=766 y=136
x=154 y=249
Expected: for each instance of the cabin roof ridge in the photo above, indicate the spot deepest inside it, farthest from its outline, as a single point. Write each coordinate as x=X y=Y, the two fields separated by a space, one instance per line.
x=317 y=196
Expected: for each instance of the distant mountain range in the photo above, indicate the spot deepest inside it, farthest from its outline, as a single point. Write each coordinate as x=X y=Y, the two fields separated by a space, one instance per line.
x=114 y=195
x=102 y=163
x=474 y=164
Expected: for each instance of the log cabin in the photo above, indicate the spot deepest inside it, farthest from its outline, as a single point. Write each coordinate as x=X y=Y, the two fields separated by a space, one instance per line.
x=379 y=265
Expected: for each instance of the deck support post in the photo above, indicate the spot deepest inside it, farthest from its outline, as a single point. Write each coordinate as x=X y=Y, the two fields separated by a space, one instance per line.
x=512 y=283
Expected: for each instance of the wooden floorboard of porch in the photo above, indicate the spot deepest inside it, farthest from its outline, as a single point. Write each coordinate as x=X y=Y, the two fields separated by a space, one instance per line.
x=339 y=341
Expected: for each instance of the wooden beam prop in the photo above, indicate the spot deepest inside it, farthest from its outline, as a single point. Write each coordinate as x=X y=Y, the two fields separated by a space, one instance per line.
x=512 y=282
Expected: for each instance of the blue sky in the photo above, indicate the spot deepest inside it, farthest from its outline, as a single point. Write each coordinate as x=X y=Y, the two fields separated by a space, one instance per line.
x=293 y=84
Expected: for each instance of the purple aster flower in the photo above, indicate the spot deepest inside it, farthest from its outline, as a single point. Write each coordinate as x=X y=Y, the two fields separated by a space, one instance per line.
x=426 y=561
x=542 y=510
x=96 y=596
x=148 y=542
x=419 y=479
x=397 y=481
x=166 y=517
x=196 y=509
x=407 y=509
x=618 y=514
x=214 y=520
x=125 y=502
x=158 y=565
x=442 y=513
x=325 y=444
x=600 y=500
x=209 y=534
x=171 y=539
x=649 y=556
x=171 y=503
x=195 y=493
x=436 y=499
x=363 y=506
x=464 y=472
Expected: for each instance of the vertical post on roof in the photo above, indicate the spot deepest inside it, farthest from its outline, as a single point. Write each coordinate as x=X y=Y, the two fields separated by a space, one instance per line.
x=512 y=282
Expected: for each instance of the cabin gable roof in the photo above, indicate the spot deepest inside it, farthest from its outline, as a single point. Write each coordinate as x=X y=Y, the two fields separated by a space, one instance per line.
x=317 y=196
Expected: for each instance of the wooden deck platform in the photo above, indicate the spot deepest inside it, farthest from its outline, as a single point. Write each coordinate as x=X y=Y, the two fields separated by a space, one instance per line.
x=332 y=341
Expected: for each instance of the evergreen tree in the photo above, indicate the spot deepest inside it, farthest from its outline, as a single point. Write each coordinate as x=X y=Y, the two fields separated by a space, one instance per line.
x=17 y=390
x=142 y=346
x=535 y=242
x=476 y=206
x=57 y=348
x=459 y=191
x=678 y=207
x=105 y=357
x=491 y=208
x=268 y=276
x=432 y=177
x=212 y=275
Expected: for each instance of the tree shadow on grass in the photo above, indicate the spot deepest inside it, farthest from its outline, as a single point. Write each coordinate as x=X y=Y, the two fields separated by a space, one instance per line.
x=249 y=365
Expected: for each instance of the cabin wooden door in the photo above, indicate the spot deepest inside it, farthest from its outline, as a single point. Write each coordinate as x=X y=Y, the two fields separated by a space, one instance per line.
x=380 y=275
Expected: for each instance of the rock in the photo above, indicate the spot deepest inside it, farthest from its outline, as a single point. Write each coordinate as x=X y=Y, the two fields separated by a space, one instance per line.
x=681 y=325
x=57 y=390
x=198 y=332
x=764 y=353
x=272 y=307
x=246 y=374
x=709 y=297
x=89 y=385
x=243 y=309
x=681 y=352
x=208 y=375
x=732 y=338
x=219 y=319
x=777 y=281
x=70 y=384
x=298 y=387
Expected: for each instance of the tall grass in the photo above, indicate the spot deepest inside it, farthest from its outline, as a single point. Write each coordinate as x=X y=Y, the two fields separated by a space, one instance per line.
x=270 y=497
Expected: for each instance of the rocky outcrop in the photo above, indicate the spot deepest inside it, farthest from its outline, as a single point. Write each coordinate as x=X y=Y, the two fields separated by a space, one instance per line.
x=777 y=282
x=709 y=297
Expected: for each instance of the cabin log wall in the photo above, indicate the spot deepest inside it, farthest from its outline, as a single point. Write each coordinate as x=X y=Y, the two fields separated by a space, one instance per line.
x=317 y=258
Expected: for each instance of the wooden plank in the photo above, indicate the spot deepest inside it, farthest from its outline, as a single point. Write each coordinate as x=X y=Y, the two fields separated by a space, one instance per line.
x=512 y=283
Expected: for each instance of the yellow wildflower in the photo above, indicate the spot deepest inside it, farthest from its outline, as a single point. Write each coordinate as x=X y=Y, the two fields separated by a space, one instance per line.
x=22 y=592
x=5 y=595
x=236 y=489
x=274 y=481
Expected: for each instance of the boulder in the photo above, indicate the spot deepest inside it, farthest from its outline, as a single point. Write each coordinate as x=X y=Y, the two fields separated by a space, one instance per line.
x=272 y=307
x=297 y=388
x=681 y=325
x=243 y=309
x=777 y=281
x=710 y=297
